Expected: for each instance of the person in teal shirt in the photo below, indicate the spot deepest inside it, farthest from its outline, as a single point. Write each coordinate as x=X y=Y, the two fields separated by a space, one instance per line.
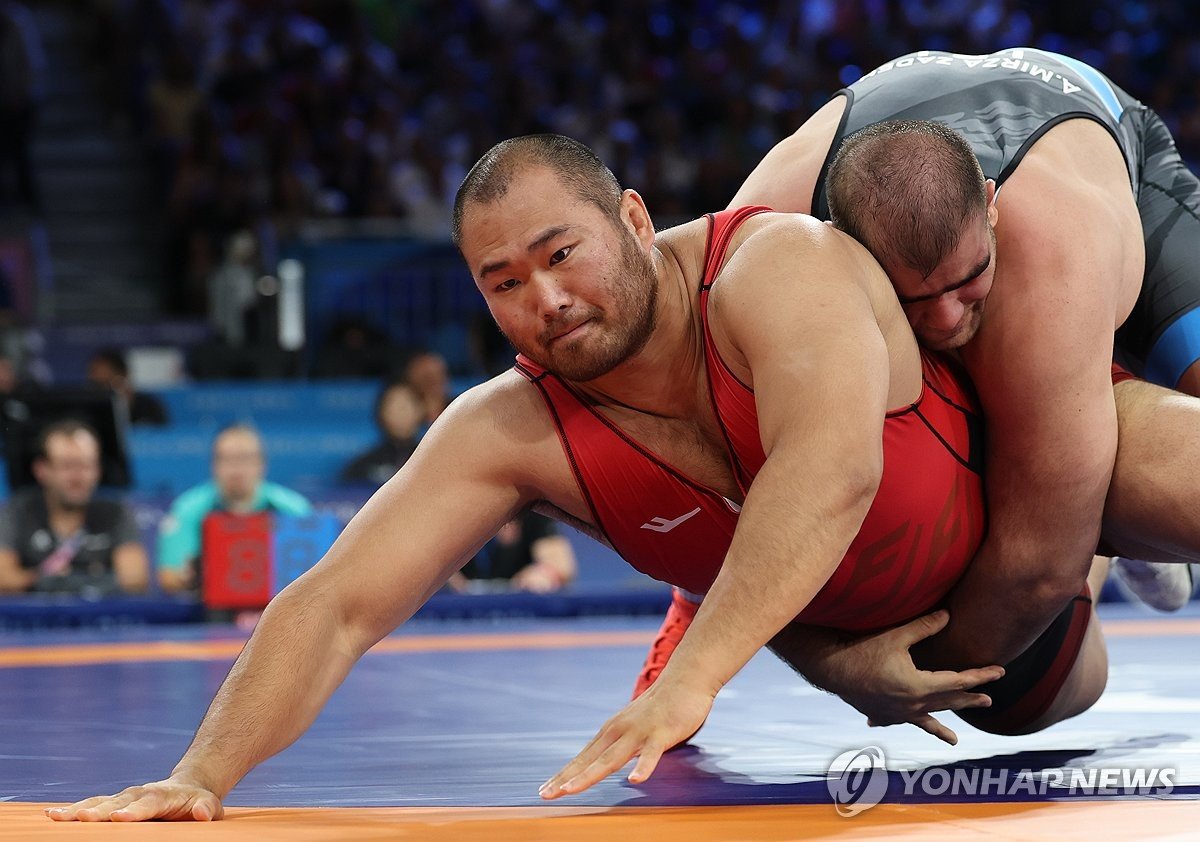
x=238 y=486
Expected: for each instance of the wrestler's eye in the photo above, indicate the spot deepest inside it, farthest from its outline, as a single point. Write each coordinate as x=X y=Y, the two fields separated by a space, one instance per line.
x=506 y=285
x=560 y=255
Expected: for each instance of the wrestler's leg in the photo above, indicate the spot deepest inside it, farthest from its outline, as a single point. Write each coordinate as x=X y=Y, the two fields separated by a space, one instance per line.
x=1059 y=676
x=1089 y=675
x=1151 y=510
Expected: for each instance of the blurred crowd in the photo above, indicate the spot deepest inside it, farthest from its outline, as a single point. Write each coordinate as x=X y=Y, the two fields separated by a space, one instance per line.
x=262 y=114
x=61 y=532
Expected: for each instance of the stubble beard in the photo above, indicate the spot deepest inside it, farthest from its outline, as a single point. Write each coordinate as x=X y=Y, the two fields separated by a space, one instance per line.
x=613 y=337
x=965 y=333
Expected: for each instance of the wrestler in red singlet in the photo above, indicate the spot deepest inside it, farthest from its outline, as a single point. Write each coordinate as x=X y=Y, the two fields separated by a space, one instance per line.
x=924 y=526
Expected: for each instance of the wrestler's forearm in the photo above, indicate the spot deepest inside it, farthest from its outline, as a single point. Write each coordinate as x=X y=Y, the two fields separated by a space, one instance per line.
x=808 y=650
x=297 y=657
x=781 y=556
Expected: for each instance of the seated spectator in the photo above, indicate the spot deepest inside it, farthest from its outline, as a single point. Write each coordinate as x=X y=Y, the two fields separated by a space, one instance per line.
x=398 y=413
x=237 y=486
x=429 y=375
x=58 y=536
x=107 y=369
x=527 y=554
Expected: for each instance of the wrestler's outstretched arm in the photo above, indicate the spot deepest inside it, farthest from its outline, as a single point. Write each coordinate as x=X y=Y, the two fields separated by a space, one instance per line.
x=455 y=492
x=793 y=303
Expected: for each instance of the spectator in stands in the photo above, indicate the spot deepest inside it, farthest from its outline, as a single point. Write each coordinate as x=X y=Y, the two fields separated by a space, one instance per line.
x=344 y=110
x=398 y=414
x=232 y=299
x=429 y=375
x=108 y=370
x=238 y=485
x=59 y=536
x=527 y=554
x=174 y=99
x=22 y=88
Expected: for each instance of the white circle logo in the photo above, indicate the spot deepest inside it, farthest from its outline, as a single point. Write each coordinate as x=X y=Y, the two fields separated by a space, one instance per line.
x=857 y=780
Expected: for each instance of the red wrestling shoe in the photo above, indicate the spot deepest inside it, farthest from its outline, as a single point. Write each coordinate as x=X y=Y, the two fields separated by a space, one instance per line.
x=679 y=617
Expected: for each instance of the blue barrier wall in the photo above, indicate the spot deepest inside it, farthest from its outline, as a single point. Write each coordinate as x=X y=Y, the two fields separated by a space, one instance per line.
x=212 y=405
x=310 y=430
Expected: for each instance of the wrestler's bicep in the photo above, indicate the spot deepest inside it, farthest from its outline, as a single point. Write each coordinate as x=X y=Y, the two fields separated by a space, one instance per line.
x=805 y=326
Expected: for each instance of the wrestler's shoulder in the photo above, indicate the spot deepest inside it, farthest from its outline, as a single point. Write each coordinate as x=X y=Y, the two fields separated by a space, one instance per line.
x=802 y=246
x=508 y=395
x=795 y=234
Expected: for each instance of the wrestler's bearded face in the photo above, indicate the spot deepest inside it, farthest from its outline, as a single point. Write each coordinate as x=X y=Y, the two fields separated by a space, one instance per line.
x=946 y=308
x=574 y=291
x=588 y=339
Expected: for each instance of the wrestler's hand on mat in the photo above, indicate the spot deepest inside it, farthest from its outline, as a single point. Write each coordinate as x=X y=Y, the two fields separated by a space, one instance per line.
x=177 y=799
x=875 y=674
x=663 y=716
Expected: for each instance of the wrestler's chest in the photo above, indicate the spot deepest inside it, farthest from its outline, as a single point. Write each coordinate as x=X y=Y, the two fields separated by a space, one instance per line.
x=695 y=448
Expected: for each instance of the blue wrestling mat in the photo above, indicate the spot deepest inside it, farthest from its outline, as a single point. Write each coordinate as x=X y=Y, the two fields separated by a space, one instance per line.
x=481 y=713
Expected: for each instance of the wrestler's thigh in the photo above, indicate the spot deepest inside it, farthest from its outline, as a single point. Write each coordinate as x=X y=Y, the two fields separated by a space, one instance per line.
x=1151 y=510
x=1089 y=674
x=1084 y=684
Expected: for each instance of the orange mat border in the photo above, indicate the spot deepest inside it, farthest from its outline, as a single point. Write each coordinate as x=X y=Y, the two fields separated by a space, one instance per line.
x=217 y=650
x=1115 y=819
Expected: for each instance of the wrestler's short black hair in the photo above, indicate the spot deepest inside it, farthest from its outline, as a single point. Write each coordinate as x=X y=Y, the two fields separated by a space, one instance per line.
x=577 y=166
x=905 y=189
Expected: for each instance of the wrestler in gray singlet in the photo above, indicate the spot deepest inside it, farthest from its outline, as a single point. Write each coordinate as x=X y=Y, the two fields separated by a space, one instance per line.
x=1001 y=104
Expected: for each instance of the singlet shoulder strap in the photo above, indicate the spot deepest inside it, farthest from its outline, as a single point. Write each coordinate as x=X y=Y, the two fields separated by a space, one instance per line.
x=721 y=228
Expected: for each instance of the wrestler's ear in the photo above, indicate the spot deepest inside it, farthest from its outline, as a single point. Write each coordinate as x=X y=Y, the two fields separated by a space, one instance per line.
x=637 y=217
x=989 y=194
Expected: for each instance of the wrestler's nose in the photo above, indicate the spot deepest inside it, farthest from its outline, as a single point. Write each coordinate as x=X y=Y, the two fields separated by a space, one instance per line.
x=945 y=312
x=552 y=296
